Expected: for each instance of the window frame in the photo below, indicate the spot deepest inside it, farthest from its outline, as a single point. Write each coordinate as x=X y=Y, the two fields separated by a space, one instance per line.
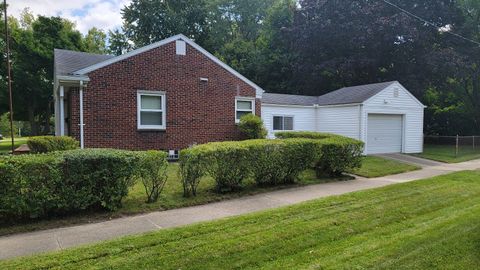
x=249 y=99
x=163 y=110
x=283 y=122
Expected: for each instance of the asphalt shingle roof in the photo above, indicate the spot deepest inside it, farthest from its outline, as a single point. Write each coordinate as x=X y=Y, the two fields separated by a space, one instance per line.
x=67 y=62
x=346 y=95
x=284 y=99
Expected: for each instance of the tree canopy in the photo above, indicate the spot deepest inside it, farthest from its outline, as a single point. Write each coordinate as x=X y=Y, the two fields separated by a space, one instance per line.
x=32 y=42
x=308 y=47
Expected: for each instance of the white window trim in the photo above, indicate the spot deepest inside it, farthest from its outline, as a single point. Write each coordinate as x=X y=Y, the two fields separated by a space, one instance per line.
x=283 y=122
x=141 y=93
x=252 y=111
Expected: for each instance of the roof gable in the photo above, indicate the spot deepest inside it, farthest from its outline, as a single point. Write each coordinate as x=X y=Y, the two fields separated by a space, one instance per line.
x=386 y=94
x=85 y=70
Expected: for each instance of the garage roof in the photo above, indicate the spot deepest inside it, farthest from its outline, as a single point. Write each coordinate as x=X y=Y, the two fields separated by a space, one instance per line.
x=346 y=95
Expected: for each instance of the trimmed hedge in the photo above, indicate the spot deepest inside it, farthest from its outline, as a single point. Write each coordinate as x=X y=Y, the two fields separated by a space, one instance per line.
x=275 y=162
x=45 y=144
x=338 y=154
x=226 y=162
x=34 y=186
x=268 y=162
x=305 y=135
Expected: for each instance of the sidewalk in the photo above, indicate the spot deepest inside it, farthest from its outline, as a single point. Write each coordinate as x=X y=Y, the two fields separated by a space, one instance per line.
x=62 y=238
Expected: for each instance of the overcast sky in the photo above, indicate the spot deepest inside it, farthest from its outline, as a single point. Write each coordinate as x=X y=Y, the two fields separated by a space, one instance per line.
x=103 y=14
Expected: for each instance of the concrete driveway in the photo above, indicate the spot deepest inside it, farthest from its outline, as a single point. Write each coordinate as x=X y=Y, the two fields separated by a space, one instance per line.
x=61 y=238
x=421 y=162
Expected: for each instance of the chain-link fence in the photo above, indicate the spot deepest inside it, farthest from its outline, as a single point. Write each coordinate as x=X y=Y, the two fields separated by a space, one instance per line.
x=454 y=146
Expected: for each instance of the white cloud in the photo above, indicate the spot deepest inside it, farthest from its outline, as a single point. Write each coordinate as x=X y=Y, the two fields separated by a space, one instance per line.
x=103 y=14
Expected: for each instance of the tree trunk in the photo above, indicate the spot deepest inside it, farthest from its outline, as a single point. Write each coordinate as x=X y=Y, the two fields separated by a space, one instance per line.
x=31 y=120
x=48 y=114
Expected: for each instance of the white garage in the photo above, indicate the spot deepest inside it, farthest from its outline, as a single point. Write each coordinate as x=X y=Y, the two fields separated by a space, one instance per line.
x=386 y=116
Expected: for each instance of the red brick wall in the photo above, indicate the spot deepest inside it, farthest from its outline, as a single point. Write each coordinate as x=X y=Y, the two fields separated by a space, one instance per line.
x=197 y=112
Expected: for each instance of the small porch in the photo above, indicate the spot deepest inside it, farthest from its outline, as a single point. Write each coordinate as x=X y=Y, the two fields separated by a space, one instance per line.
x=64 y=85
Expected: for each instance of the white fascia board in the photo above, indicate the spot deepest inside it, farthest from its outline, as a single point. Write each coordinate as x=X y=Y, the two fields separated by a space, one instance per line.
x=259 y=91
x=72 y=78
x=312 y=106
x=286 y=105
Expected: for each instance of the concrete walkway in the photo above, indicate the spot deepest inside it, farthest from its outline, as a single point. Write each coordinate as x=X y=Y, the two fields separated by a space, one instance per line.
x=62 y=238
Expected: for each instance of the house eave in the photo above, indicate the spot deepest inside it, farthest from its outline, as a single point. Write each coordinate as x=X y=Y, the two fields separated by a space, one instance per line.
x=72 y=78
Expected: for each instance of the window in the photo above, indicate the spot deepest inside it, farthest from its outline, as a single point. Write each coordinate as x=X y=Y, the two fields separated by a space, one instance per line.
x=151 y=110
x=244 y=106
x=283 y=123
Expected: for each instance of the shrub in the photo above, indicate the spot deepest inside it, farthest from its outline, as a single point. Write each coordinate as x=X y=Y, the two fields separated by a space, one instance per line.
x=252 y=127
x=30 y=186
x=40 y=185
x=337 y=154
x=305 y=135
x=152 y=170
x=274 y=162
x=226 y=162
x=268 y=162
x=191 y=170
x=105 y=175
x=44 y=144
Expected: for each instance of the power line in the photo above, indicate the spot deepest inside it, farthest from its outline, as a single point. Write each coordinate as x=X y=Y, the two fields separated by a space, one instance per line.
x=430 y=23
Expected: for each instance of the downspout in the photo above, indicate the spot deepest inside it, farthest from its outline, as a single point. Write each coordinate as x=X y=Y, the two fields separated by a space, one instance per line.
x=360 y=132
x=62 y=110
x=316 y=117
x=82 y=143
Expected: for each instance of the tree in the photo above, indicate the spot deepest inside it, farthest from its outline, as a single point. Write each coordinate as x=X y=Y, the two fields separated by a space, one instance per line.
x=33 y=40
x=149 y=21
x=118 y=43
x=95 y=41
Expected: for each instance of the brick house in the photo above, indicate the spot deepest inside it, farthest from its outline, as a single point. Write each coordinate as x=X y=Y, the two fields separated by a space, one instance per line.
x=173 y=94
x=167 y=95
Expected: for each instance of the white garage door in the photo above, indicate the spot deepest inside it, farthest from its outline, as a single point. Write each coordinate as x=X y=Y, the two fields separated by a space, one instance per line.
x=384 y=133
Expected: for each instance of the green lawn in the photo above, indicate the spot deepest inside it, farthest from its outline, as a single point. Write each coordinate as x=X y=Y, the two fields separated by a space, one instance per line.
x=446 y=153
x=429 y=224
x=171 y=197
x=376 y=166
x=5 y=144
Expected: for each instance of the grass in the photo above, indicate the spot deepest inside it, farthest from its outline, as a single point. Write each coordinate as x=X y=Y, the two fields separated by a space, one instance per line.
x=5 y=144
x=171 y=197
x=376 y=167
x=446 y=153
x=428 y=224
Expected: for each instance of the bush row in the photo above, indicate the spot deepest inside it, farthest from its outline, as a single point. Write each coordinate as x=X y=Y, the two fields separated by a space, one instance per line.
x=306 y=135
x=34 y=186
x=268 y=162
x=338 y=153
x=45 y=144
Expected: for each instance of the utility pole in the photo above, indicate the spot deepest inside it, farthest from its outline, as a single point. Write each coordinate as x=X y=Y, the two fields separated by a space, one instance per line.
x=7 y=49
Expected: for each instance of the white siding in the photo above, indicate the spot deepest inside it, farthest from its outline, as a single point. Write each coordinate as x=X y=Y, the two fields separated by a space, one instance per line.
x=352 y=120
x=406 y=105
x=303 y=117
x=341 y=120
